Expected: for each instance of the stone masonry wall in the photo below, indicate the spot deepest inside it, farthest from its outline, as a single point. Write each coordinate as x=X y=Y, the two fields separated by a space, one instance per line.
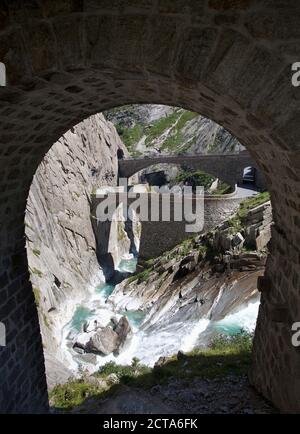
x=160 y=236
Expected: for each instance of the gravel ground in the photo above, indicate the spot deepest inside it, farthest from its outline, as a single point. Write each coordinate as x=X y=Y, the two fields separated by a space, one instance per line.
x=227 y=395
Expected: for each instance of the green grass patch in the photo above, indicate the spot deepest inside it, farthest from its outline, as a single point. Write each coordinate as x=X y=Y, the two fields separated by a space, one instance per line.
x=186 y=116
x=174 y=121
x=130 y=136
x=73 y=393
x=253 y=202
x=132 y=278
x=175 y=140
x=158 y=127
x=185 y=247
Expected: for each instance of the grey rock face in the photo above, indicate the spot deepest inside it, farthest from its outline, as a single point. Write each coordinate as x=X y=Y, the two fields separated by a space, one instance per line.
x=259 y=226
x=61 y=243
x=188 y=283
x=103 y=342
x=57 y=373
x=124 y=333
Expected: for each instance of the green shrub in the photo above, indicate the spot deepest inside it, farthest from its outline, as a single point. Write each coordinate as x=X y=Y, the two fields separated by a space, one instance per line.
x=202 y=250
x=72 y=394
x=123 y=372
x=113 y=368
x=241 y=342
x=135 y=363
x=194 y=178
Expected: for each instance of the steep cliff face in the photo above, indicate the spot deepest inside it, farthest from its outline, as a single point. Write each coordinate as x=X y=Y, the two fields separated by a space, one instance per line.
x=149 y=129
x=60 y=239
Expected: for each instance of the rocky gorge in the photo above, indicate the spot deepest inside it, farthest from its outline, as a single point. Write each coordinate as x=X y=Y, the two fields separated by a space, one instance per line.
x=197 y=285
x=204 y=288
x=175 y=302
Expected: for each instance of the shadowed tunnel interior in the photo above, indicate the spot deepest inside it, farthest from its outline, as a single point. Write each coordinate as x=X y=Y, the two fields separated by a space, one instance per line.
x=225 y=60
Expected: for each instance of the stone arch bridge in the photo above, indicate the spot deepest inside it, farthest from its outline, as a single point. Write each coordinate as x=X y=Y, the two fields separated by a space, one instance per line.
x=228 y=167
x=227 y=60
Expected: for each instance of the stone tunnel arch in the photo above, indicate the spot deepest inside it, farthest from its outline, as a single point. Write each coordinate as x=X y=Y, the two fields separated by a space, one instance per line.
x=249 y=175
x=120 y=154
x=224 y=60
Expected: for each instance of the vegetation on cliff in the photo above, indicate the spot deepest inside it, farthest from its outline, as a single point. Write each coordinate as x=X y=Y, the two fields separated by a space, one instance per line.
x=150 y=128
x=238 y=221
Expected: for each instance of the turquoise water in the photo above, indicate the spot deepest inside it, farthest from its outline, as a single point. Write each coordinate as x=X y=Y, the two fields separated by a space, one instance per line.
x=81 y=315
x=230 y=330
x=105 y=289
x=127 y=265
x=135 y=317
x=244 y=319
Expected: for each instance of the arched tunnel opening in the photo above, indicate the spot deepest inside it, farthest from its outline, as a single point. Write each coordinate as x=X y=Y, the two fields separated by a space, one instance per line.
x=229 y=62
x=126 y=294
